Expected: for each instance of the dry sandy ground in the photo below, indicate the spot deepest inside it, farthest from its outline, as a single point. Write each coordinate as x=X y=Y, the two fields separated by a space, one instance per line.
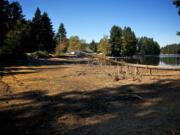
x=74 y=98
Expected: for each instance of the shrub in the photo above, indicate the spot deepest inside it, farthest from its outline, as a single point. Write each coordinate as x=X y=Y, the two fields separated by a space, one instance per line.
x=40 y=54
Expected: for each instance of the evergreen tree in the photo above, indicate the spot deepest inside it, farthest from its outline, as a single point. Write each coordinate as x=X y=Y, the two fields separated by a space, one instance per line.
x=4 y=19
x=36 y=30
x=124 y=46
x=61 y=40
x=14 y=33
x=93 y=46
x=177 y=3
x=115 y=40
x=61 y=34
x=131 y=42
x=171 y=49
x=147 y=46
x=46 y=34
x=15 y=12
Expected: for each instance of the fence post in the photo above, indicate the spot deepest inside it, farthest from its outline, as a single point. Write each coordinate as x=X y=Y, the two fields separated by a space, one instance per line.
x=136 y=70
x=150 y=71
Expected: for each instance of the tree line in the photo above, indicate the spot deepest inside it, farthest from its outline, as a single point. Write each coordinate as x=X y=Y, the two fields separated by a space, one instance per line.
x=123 y=42
x=171 y=49
x=18 y=36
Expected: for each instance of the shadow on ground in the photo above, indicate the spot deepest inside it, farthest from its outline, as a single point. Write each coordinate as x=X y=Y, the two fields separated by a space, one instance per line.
x=32 y=65
x=108 y=111
x=31 y=61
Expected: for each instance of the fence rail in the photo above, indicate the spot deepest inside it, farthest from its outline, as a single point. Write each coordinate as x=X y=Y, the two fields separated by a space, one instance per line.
x=151 y=67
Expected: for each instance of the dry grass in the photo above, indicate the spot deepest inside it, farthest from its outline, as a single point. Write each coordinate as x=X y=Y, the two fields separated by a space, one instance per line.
x=73 y=98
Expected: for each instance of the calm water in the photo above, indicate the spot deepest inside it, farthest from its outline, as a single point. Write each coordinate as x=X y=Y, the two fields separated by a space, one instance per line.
x=162 y=60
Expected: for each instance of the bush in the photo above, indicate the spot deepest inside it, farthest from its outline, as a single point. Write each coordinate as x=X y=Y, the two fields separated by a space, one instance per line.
x=40 y=54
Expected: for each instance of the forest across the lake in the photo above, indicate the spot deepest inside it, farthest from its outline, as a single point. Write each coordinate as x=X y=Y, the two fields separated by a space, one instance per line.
x=54 y=82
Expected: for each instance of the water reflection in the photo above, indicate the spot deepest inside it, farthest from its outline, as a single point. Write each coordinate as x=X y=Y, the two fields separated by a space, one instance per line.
x=162 y=60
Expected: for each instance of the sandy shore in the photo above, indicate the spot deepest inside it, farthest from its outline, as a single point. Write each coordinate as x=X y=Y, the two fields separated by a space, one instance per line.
x=72 y=97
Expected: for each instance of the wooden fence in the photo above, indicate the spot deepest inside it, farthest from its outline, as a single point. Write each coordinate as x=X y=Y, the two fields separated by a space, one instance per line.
x=106 y=60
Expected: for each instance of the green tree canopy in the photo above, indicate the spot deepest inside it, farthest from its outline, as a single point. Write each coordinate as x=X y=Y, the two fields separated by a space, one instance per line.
x=93 y=46
x=115 y=40
x=129 y=42
x=14 y=29
x=36 y=30
x=171 y=49
x=177 y=3
x=105 y=46
x=47 y=33
x=15 y=12
x=147 y=46
x=61 y=34
x=74 y=44
x=4 y=20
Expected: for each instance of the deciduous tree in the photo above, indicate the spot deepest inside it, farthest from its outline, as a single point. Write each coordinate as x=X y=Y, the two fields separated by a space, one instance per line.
x=105 y=46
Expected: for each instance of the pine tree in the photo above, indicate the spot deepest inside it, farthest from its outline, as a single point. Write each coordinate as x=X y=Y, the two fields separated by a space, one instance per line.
x=115 y=40
x=61 y=34
x=177 y=3
x=124 y=46
x=4 y=19
x=36 y=30
x=46 y=34
x=93 y=46
x=147 y=46
x=15 y=12
x=14 y=33
x=131 y=41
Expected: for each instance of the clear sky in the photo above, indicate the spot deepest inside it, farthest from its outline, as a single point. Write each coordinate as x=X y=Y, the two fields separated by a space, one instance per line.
x=91 y=19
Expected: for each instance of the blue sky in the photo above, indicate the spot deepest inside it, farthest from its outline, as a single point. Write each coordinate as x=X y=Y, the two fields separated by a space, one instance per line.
x=91 y=19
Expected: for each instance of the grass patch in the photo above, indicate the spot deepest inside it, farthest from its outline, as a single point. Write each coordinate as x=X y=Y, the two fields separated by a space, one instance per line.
x=41 y=54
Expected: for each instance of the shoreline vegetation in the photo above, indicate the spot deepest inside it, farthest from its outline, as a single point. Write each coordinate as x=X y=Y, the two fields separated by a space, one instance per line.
x=54 y=85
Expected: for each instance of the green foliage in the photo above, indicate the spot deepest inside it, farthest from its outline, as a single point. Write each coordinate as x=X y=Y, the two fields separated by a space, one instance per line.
x=36 y=31
x=42 y=32
x=15 y=12
x=62 y=47
x=93 y=46
x=62 y=42
x=177 y=3
x=4 y=20
x=171 y=49
x=129 y=42
x=115 y=40
x=47 y=34
x=147 y=46
x=40 y=54
x=124 y=46
x=14 y=30
x=76 y=45
x=61 y=34
x=123 y=41
x=105 y=46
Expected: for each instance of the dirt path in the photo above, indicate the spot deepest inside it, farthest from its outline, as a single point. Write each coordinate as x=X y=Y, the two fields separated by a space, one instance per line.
x=75 y=98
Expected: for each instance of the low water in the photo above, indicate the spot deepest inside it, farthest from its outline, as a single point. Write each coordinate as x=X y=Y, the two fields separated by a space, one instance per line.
x=161 y=60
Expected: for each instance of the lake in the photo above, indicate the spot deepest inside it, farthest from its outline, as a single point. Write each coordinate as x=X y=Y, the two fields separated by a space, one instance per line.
x=161 y=60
